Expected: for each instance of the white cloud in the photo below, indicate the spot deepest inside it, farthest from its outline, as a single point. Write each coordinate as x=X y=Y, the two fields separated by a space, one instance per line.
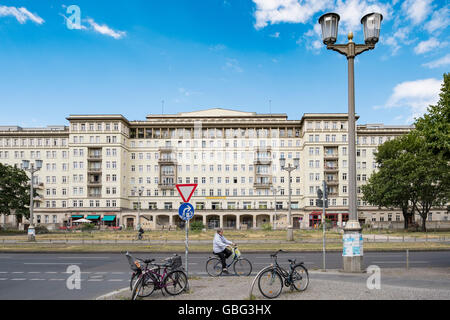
x=21 y=14
x=439 y=20
x=275 y=35
x=232 y=64
x=291 y=11
x=444 y=61
x=416 y=96
x=417 y=10
x=428 y=45
x=217 y=47
x=105 y=30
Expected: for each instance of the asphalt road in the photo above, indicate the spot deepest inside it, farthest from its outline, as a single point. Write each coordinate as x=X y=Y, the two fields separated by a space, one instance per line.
x=31 y=276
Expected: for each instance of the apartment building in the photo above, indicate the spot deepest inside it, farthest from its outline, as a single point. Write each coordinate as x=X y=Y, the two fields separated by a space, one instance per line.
x=111 y=170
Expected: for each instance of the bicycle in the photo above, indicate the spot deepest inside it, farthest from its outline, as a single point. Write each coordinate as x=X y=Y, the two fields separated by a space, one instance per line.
x=241 y=266
x=168 y=276
x=270 y=280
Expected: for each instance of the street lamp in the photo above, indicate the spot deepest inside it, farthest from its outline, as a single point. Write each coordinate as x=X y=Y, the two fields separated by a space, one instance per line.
x=32 y=168
x=371 y=24
x=139 y=192
x=289 y=169
x=275 y=191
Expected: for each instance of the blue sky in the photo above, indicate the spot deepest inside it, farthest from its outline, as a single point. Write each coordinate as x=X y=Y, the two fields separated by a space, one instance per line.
x=125 y=57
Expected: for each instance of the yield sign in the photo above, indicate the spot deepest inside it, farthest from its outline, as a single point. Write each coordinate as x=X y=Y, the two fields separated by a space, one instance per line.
x=186 y=191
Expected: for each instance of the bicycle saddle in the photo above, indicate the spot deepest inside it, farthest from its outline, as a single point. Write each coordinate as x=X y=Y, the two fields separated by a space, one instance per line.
x=147 y=261
x=292 y=261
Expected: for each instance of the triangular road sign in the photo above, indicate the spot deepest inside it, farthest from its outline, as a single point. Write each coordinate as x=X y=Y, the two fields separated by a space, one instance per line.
x=186 y=191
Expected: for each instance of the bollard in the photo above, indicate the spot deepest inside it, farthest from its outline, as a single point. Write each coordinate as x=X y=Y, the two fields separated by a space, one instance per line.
x=407 y=259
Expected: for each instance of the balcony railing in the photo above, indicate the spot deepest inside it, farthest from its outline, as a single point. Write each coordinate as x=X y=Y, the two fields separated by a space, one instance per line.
x=328 y=168
x=262 y=185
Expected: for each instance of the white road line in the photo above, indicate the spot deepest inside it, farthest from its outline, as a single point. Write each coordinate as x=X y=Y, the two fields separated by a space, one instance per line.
x=403 y=261
x=34 y=272
x=95 y=280
x=3 y=279
x=57 y=279
x=18 y=272
x=51 y=272
x=3 y=272
x=47 y=263
x=116 y=280
x=18 y=279
x=83 y=257
x=117 y=272
x=37 y=279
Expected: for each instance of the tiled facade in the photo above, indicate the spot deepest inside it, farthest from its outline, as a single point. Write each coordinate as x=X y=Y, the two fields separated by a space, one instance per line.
x=92 y=166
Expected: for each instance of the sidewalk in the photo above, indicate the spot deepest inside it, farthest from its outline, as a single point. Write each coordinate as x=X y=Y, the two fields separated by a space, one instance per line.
x=396 y=284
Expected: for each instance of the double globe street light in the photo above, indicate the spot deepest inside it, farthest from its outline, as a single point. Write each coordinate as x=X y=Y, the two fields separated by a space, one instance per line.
x=352 y=258
x=289 y=169
x=32 y=168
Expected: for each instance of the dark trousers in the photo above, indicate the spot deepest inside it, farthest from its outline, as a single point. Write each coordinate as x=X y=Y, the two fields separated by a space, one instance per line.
x=224 y=255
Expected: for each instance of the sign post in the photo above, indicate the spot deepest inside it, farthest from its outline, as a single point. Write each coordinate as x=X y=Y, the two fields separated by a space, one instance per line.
x=186 y=212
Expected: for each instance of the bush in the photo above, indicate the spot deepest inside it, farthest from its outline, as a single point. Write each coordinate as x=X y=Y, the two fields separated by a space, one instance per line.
x=267 y=227
x=87 y=227
x=197 y=226
x=41 y=229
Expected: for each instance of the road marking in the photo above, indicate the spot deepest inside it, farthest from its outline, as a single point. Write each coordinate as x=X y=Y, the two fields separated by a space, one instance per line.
x=84 y=258
x=18 y=272
x=2 y=279
x=46 y=263
x=115 y=280
x=57 y=279
x=403 y=261
x=34 y=272
x=18 y=279
x=95 y=280
x=3 y=272
x=117 y=272
x=37 y=279
x=51 y=272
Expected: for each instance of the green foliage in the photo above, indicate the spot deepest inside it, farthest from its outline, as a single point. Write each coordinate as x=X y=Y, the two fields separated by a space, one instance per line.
x=87 y=227
x=410 y=177
x=267 y=227
x=40 y=229
x=14 y=195
x=196 y=226
x=435 y=124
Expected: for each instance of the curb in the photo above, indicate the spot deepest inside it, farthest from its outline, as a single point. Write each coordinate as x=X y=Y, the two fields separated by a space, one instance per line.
x=105 y=296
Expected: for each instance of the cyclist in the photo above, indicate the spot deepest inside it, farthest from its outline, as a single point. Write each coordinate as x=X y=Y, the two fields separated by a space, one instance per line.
x=220 y=249
x=141 y=232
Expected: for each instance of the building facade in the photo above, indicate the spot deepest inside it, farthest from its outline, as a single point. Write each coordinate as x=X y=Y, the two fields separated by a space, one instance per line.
x=112 y=170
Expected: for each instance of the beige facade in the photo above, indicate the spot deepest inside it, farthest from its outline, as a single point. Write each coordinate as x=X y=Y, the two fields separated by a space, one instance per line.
x=94 y=167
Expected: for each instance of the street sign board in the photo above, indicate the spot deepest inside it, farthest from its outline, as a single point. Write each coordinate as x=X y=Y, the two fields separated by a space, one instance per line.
x=186 y=211
x=186 y=191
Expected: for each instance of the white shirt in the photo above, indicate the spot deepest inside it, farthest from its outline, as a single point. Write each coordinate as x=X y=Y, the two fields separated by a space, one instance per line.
x=220 y=243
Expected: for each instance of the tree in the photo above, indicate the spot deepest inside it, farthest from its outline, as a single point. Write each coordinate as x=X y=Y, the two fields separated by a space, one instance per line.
x=390 y=186
x=435 y=125
x=14 y=192
x=411 y=177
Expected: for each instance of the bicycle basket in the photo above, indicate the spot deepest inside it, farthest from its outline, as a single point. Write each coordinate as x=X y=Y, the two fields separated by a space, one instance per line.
x=175 y=262
x=237 y=253
x=131 y=262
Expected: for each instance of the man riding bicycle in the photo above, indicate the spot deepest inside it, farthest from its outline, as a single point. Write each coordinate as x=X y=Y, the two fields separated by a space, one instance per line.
x=220 y=249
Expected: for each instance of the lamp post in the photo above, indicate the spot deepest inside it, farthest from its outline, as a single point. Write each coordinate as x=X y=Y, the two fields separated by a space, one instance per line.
x=352 y=258
x=139 y=192
x=289 y=169
x=275 y=191
x=32 y=168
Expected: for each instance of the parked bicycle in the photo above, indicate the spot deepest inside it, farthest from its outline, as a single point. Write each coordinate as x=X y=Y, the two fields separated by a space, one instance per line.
x=241 y=266
x=272 y=279
x=149 y=276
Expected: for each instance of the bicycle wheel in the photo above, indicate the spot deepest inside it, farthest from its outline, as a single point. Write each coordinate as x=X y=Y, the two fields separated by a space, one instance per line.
x=214 y=267
x=300 y=277
x=136 y=287
x=175 y=282
x=134 y=278
x=242 y=267
x=270 y=283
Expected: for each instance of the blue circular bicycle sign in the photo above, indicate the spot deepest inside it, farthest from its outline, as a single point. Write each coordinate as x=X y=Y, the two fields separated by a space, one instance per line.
x=186 y=211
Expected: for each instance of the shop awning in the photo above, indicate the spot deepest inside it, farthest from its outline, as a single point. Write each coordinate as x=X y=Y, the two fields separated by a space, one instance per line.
x=77 y=217
x=93 y=217
x=109 y=218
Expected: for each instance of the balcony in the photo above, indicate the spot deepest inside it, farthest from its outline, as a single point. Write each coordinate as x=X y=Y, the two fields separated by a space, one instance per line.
x=331 y=169
x=94 y=183
x=332 y=182
x=167 y=160
x=95 y=195
x=266 y=161
x=91 y=169
x=262 y=185
x=94 y=157
x=166 y=186
x=331 y=156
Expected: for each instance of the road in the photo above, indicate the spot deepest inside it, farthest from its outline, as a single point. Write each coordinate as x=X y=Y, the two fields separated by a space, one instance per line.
x=32 y=276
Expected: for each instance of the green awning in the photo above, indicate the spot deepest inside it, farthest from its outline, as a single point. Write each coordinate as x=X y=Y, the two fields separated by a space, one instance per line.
x=92 y=217
x=77 y=217
x=109 y=218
